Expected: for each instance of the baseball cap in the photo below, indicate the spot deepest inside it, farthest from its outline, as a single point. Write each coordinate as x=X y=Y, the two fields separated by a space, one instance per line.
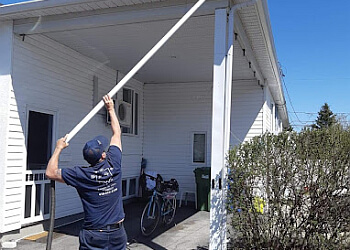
x=94 y=148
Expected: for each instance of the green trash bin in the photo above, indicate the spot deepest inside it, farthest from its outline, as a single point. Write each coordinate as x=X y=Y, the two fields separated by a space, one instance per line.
x=203 y=188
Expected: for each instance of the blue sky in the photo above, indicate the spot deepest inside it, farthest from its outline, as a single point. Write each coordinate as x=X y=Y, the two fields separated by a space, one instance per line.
x=312 y=41
x=12 y=1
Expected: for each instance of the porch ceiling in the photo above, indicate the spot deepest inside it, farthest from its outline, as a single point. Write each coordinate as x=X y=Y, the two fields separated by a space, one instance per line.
x=119 y=33
x=120 y=36
x=188 y=56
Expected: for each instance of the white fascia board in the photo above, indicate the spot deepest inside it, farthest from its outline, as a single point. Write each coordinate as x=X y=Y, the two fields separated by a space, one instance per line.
x=275 y=87
x=37 y=5
x=119 y=17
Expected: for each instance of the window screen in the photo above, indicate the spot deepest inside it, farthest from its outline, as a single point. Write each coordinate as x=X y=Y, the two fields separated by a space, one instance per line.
x=131 y=97
x=199 y=145
x=124 y=187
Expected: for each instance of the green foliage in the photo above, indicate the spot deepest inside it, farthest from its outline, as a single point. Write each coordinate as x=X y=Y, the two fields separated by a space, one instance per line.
x=288 y=129
x=325 y=118
x=302 y=180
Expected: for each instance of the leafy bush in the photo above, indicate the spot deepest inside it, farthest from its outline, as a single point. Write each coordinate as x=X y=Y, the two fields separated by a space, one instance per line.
x=291 y=191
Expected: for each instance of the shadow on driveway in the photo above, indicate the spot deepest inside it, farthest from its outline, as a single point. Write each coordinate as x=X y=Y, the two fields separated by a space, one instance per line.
x=133 y=213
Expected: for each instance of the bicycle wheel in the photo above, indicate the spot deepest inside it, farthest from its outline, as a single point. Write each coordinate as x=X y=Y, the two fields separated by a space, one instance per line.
x=168 y=210
x=150 y=218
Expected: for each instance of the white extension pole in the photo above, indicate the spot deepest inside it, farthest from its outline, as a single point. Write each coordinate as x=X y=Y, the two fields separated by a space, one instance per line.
x=136 y=68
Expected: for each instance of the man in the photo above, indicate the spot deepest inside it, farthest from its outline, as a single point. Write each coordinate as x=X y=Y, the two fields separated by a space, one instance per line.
x=99 y=187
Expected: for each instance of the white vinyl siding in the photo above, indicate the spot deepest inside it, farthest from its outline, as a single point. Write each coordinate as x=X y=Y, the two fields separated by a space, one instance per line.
x=15 y=160
x=49 y=75
x=246 y=111
x=173 y=112
x=11 y=135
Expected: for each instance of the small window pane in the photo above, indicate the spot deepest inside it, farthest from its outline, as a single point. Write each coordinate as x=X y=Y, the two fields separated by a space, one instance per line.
x=132 y=187
x=47 y=198
x=199 y=148
x=124 y=187
x=37 y=199
x=28 y=201
x=126 y=130
x=127 y=95
x=136 y=112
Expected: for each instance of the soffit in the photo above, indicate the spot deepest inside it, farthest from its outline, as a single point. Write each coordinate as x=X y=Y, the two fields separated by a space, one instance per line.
x=189 y=52
x=58 y=7
x=186 y=57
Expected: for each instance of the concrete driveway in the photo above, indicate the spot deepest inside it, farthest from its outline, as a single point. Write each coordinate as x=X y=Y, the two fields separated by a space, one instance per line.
x=189 y=230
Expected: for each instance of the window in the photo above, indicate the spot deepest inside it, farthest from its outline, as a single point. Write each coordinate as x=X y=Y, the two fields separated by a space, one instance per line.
x=129 y=187
x=39 y=140
x=199 y=148
x=132 y=187
x=28 y=203
x=124 y=182
x=132 y=98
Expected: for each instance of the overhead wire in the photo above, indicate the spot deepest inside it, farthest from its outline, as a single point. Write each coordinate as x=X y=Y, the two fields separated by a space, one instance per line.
x=235 y=136
x=290 y=100
x=295 y=113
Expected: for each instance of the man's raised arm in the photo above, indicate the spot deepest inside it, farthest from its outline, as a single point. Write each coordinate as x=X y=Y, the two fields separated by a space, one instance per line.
x=52 y=170
x=116 y=137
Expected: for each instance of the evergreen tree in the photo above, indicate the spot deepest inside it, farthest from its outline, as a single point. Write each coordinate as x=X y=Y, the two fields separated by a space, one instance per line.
x=288 y=129
x=325 y=118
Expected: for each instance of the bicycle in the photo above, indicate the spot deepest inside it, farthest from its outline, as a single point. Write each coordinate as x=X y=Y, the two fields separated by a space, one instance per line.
x=162 y=204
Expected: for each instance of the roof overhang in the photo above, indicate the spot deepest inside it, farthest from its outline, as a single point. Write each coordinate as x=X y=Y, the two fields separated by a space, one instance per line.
x=276 y=82
x=118 y=33
x=262 y=43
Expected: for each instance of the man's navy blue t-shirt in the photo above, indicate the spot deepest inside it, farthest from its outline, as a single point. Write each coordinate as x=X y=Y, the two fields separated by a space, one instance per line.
x=100 y=189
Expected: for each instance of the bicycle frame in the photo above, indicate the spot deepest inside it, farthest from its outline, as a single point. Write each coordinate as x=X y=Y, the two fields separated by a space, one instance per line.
x=153 y=198
x=167 y=197
x=159 y=205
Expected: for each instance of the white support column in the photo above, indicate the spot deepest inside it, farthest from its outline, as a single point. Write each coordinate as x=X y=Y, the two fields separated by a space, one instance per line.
x=6 y=47
x=221 y=120
x=218 y=136
x=227 y=128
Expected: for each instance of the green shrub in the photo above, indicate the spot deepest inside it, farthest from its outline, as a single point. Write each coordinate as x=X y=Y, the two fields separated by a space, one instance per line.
x=291 y=191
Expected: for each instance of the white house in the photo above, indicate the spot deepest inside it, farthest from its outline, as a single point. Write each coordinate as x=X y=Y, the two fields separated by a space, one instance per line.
x=215 y=83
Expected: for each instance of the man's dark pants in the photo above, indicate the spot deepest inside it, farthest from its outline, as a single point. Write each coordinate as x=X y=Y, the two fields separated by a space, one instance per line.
x=105 y=239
